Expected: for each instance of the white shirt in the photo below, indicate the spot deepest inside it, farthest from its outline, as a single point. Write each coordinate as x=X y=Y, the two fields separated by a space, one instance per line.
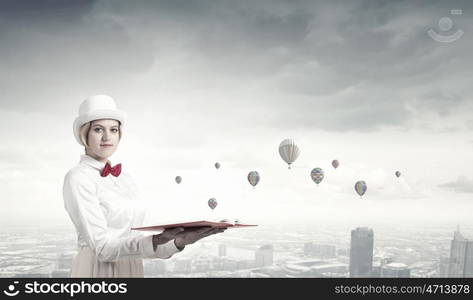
x=104 y=209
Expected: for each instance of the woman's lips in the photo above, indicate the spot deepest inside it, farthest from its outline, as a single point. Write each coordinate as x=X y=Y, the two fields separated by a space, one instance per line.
x=106 y=145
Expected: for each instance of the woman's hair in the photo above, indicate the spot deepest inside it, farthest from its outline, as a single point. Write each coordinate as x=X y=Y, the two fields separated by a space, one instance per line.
x=85 y=129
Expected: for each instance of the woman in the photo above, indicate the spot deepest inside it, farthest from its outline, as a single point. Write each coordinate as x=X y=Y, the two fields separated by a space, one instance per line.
x=104 y=203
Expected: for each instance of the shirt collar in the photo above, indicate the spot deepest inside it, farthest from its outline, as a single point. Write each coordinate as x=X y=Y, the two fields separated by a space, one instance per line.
x=89 y=160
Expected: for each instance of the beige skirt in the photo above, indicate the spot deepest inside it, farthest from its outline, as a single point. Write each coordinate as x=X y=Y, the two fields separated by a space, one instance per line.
x=86 y=264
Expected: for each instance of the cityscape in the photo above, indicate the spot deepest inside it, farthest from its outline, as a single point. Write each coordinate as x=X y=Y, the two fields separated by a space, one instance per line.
x=269 y=251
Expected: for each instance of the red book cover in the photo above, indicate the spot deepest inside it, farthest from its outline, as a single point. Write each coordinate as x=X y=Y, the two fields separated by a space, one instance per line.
x=220 y=224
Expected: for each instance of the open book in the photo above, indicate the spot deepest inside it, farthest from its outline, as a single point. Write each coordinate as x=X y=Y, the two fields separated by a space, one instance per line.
x=220 y=224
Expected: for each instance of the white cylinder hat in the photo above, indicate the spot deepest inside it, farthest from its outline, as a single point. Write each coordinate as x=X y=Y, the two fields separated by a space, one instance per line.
x=95 y=108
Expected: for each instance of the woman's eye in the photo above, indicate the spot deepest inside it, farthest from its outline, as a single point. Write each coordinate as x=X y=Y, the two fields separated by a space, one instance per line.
x=99 y=129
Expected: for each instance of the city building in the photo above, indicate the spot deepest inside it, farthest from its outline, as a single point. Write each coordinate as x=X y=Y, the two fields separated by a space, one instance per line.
x=316 y=268
x=378 y=265
x=361 y=252
x=461 y=256
x=395 y=270
x=222 y=250
x=63 y=265
x=61 y=273
x=264 y=256
x=182 y=266
x=322 y=251
x=64 y=260
x=343 y=252
x=154 y=267
x=442 y=270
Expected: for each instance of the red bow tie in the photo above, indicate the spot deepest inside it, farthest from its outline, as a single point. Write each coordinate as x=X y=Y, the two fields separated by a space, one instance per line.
x=115 y=171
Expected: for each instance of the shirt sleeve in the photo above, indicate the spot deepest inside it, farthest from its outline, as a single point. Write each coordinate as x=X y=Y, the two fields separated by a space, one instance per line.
x=82 y=204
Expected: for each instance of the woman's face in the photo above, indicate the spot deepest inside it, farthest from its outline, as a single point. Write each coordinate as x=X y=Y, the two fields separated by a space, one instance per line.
x=103 y=138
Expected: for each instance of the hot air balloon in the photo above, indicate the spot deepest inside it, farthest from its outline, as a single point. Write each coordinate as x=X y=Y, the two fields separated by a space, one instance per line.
x=398 y=174
x=361 y=187
x=217 y=165
x=178 y=179
x=289 y=151
x=317 y=175
x=253 y=178
x=212 y=203
x=335 y=163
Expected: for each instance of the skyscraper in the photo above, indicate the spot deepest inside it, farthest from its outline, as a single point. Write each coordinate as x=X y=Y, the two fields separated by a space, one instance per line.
x=395 y=270
x=461 y=256
x=222 y=250
x=361 y=252
x=443 y=266
x=264 y=256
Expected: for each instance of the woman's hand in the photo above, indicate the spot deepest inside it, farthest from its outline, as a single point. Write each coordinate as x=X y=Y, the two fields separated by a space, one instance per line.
x=165 y=236
x=192 y=235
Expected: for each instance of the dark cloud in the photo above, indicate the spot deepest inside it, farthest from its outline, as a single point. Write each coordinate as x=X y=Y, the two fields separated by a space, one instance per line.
x=304 y=54
x=50 y=51
x=462 y=185
x=47 y=10
x=319 y=49
x=352 y=112
x=439 y=100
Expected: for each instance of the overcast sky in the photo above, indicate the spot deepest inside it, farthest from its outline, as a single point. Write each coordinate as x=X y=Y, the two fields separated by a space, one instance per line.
x=227 y=81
